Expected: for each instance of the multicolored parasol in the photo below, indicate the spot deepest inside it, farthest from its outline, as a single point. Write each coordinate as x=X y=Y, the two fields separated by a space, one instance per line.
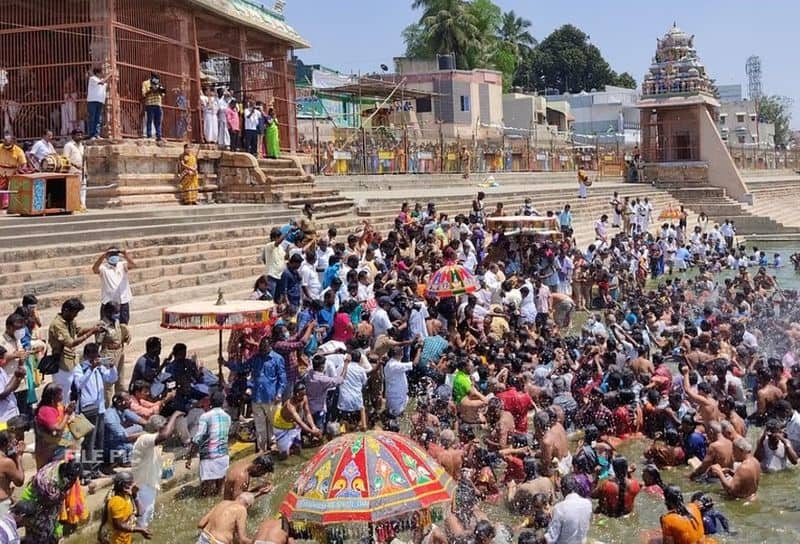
x=219 y=316
x=670 y=212
x=452 y=280
x=367 y=478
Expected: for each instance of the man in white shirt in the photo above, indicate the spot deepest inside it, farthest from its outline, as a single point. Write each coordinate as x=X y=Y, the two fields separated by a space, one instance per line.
x=112 y=267
x=274 y=259
x=96 y=101
x=324 y=253
x=380 y=318
x=396 y=382
x=73 y=150
x=571 y=517
x=252 y=118
x=43 y=147
x=312 y=287
x=417 y=325
x=351 y=397
x=147 y=463
x=542 y=297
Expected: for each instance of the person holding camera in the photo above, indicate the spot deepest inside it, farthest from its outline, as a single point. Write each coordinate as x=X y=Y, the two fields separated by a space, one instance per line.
x=153 y=92
x=91 y=378
x=112 y=267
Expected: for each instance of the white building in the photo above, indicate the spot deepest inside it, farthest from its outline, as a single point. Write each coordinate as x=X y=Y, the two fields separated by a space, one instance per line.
x=607 y=116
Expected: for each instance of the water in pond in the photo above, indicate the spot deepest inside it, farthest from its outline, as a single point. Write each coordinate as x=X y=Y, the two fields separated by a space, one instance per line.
x=774 y=517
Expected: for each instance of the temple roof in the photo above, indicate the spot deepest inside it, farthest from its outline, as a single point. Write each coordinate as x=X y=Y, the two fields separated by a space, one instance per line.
x=676 y=68
x=255 y=16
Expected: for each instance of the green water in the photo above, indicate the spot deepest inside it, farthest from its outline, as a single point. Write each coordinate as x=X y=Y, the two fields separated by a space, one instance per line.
x=774 y=517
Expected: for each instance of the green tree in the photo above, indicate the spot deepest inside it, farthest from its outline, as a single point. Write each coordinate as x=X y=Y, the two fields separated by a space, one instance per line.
x=484 y=47
x=450 y=27
x=514 y=33
x=566 y=61
x=778 y=111
x=625 y=80
x=416 y=41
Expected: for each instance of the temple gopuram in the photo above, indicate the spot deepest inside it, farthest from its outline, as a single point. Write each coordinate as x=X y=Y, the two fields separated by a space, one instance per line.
x=48 y=49
x=676 y=68
x=681 y=145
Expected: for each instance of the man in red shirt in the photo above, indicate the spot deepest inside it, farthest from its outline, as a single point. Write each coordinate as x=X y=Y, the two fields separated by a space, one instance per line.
x=518 y=402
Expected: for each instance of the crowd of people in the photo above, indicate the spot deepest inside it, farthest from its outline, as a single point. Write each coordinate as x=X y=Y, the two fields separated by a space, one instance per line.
x=517 y=403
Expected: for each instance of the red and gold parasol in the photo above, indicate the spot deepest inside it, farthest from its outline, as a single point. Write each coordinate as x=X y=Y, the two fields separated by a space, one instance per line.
x=452 y=280
x=670 y=212
x=219 y=316
x=367 y=478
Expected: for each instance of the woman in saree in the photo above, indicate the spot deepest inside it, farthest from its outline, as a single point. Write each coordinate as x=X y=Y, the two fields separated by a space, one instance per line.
x=47 y=491
x=272 y=136
x=189 y=182
x=50 y=423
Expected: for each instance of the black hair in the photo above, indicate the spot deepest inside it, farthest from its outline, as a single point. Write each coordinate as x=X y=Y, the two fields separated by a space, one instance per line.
x=217 y=399
x=152 y=342
x=265 y=462
x=72 y=305
x=673 y=499
x=620 y=466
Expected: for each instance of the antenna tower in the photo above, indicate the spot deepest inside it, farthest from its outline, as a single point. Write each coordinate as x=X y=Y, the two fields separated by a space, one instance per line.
x=753 y=69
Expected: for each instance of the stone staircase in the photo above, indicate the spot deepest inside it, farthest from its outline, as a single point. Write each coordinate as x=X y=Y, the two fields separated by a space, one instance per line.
x=719 y=208
x=188 y=253
x=139 y=172
x=772 y=190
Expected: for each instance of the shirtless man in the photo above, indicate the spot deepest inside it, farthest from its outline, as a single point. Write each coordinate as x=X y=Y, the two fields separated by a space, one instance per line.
x=501 y=424
x=549 y=443
x=226 y=521
x=767 y=396
x=642 y=365
x=271 y=532
x=450 y=457
x=237 y=480
x=11 y=472
x=707 y=406
x=726 y=406
x=533 y=485
x=743 y=482
x=719 y=452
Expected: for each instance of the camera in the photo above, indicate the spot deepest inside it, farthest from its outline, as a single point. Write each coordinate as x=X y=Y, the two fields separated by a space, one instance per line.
x=171 y=385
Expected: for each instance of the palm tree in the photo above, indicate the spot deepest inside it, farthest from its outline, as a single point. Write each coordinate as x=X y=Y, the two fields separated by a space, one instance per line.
x=450 y=28
x=515 y=34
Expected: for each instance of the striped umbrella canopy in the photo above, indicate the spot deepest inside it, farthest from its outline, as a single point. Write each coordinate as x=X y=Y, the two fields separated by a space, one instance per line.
x=452 y=280
x=366 y=477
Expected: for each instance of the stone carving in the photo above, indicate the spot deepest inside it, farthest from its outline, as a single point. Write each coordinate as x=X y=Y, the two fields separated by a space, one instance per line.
x=676 y=68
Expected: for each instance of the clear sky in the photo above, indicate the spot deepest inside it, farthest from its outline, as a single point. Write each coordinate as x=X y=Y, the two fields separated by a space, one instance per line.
x=353 y=35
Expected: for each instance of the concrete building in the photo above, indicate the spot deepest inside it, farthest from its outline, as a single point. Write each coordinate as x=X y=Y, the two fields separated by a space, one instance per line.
x=467 y=103
x=535 y=114
x=739 y=127
x=610 y=115
x=730 y=93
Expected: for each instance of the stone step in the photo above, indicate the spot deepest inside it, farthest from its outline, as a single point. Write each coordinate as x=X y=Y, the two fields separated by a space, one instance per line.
x=276 y=163
x=287 y=180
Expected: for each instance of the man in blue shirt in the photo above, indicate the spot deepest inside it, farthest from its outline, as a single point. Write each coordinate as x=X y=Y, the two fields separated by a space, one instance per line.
x=267 y=382
x=565 y=219
x=89 y=379
x=290 y=285
x=122 y=428
x=694 y=443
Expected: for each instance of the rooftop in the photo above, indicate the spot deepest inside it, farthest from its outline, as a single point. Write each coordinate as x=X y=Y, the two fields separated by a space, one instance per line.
x=255 y=16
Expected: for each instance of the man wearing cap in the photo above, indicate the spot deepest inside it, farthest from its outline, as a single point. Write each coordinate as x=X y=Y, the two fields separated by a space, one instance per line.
x=73 y=150
x=112 y=267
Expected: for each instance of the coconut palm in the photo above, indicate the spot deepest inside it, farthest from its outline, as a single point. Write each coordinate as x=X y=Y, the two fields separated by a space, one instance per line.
x=514 y=32
x=450 y=28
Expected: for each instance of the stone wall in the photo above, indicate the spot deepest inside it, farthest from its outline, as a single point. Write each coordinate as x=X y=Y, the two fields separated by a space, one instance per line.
x=677 y=173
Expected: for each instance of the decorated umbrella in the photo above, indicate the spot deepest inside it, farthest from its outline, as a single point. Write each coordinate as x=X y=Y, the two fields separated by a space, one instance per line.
x=369 y=483
x=670 y=212
x=218 y=316
x=452 y=280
